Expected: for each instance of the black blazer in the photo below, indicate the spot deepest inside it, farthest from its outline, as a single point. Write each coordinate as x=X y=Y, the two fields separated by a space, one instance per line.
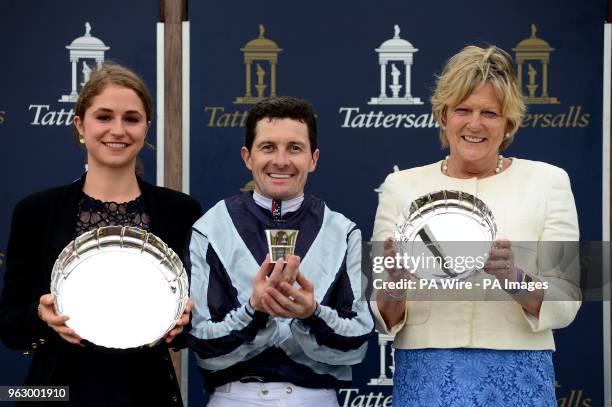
x=42 y=225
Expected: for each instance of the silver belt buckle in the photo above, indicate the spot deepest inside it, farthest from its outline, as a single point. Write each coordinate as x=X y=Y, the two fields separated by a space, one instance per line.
x=251 y=379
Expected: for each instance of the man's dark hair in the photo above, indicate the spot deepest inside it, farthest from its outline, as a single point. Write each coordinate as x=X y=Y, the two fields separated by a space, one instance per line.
x=281 y=107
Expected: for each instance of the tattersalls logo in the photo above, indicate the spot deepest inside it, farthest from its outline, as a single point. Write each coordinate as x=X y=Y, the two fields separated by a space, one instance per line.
x=401 y=51
x=383 y=377
x=571 y=397
x=533 y=57
x=260 y=58
x=352 y=397
x=387 y=362
x=86 y=53
x=395 y=59
x=259 y=51
x=82 y=49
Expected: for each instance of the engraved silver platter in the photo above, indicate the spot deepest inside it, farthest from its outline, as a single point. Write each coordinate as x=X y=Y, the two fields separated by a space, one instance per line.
x=122 y=287
x=446 y=229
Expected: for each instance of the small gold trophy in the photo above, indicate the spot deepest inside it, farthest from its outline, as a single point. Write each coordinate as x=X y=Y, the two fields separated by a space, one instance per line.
x=281 y=243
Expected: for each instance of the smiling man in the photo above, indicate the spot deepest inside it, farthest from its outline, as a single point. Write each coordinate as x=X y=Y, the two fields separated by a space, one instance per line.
x=274 y=333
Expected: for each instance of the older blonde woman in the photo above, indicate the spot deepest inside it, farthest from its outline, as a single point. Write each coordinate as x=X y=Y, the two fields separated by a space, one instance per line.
x=483 y=352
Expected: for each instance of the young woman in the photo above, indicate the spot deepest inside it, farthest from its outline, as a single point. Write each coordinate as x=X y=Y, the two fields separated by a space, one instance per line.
x=112 y=117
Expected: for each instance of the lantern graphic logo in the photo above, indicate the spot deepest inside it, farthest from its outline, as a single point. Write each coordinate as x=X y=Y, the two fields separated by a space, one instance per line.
x=532 y=56
x=81 y=50
x=263 y=54
x=398 y=53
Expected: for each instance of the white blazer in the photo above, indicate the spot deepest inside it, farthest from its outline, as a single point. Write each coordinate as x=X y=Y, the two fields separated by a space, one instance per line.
x=531 y=202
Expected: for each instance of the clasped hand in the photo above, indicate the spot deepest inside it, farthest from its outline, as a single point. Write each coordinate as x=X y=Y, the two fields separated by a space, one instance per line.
x=275 y=295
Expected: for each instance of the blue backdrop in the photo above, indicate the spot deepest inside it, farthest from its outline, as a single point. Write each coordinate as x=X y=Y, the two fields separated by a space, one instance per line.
x=327 y=55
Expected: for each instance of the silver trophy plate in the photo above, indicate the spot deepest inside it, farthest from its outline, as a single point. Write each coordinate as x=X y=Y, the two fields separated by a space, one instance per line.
x=450 y=231
x=122 y=287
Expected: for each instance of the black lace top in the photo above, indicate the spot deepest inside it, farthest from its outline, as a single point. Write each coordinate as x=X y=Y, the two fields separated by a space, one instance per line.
x=76 y=363
x=94 y=213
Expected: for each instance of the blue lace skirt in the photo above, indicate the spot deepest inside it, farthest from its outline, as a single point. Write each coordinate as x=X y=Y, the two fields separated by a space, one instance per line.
x=473 y=377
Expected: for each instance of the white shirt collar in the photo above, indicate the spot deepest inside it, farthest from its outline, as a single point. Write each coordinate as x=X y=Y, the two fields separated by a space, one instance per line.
x=287 y=206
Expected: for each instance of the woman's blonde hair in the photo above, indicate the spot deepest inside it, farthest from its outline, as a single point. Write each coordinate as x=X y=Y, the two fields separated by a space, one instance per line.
x=465 y=72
